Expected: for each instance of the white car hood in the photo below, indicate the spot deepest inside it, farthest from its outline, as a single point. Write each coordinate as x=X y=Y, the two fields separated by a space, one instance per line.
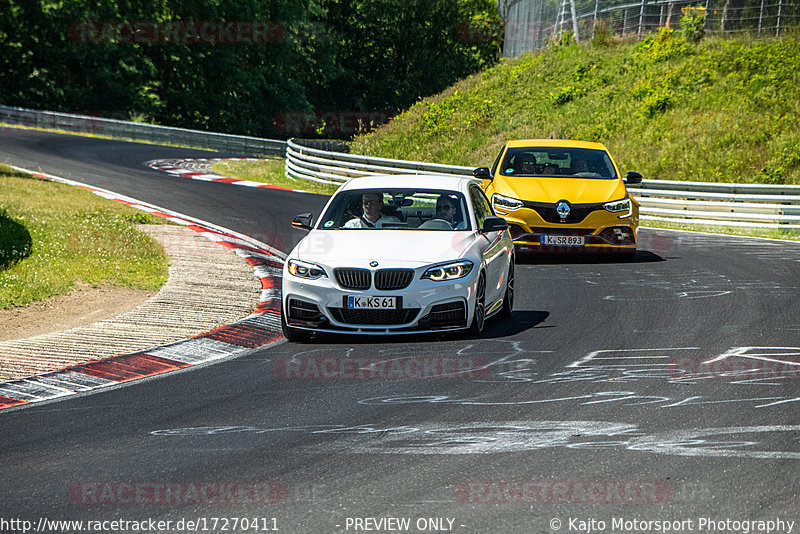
x=357 y=248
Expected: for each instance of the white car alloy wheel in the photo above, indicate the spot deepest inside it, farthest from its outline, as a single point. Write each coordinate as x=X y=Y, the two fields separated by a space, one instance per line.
x=479 y=318
x=508 y=301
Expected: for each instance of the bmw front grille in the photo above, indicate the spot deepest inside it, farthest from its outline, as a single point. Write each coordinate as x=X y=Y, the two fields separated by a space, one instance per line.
x=385 y=279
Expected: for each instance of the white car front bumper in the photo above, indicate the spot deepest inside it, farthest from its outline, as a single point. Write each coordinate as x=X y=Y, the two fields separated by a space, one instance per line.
x=423 y=306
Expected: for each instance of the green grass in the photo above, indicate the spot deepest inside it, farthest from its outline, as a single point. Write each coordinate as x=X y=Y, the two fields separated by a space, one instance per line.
x=270 y=172
x=54 y=235
x=724 y=110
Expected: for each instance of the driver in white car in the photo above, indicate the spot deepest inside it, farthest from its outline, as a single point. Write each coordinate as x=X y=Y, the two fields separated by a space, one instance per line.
x=373 y=217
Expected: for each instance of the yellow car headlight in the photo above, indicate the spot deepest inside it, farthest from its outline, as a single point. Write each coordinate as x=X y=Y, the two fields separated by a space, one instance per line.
x=623 y=206
x=506 y=203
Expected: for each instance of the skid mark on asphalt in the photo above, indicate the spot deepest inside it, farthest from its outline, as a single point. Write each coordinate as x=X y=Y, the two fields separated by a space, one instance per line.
x=768 y=366
x=757 y=366
x=621 y=398
x=760 y=249
x=692 y=285
x=752 y=442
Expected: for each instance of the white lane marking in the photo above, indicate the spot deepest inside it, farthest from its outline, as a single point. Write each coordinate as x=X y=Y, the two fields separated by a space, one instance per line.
x=744 y=352
x=29 y=390
x=195 y=351
x=594 y=355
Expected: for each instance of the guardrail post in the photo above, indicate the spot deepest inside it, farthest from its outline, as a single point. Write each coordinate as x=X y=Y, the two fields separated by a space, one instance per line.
x=641 y=17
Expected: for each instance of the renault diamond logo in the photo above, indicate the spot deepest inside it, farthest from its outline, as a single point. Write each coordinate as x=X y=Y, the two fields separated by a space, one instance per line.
x=373 y=264
x=563 y=209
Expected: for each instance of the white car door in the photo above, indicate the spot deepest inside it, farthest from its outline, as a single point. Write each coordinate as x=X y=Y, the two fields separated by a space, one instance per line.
x=495 y=253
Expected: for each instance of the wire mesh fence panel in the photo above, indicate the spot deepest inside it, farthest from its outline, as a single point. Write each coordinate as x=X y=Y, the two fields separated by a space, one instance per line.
x=531 y=24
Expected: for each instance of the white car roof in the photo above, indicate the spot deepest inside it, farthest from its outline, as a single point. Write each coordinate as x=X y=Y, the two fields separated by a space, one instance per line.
x=413 y=181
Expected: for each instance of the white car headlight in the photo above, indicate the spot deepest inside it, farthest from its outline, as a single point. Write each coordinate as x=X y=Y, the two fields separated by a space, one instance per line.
x=506 y=203
x=449 y=271
x=303 y=269
x=619 y=206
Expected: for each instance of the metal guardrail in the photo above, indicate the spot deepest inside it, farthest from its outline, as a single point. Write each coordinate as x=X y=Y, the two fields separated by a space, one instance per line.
x=337 y=167
x=721 y=204
x=234 y=144
x=708 y=203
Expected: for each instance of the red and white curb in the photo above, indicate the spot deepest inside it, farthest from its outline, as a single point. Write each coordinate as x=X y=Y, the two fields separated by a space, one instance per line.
x=186 y=168
x=257 y=330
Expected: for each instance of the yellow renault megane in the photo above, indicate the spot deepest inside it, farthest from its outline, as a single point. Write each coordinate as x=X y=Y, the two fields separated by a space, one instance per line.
x=565 y=196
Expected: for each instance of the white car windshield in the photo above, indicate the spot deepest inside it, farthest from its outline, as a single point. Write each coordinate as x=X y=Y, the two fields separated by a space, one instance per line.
x=397 y=209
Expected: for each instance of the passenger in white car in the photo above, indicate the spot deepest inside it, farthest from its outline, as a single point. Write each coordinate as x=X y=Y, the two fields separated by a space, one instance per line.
x=372 y=204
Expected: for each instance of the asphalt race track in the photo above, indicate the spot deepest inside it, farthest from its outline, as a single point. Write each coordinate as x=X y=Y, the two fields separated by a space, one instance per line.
x=620 y=393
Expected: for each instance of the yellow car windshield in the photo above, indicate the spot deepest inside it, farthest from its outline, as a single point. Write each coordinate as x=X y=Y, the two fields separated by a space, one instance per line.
x=558 y=162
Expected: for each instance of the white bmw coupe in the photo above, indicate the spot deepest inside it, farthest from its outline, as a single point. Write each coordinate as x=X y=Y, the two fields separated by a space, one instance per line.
x=399 y=254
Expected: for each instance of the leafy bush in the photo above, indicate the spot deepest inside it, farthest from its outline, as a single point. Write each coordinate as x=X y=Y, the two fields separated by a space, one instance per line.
x=603 y=33
x=692 y=24
x=564 y=39
x=566 y=94
x=663 y=45
x=657 y=103
x=768 y=175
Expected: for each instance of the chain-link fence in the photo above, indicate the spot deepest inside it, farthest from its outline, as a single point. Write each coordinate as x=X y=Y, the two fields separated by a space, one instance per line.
x=530 y=24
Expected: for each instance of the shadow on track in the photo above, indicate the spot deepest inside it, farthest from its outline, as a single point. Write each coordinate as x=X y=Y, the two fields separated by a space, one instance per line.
x=520 y=321
x=496 y=327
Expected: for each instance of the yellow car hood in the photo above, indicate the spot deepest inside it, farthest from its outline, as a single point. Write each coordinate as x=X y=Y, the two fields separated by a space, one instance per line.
x=575 y=190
